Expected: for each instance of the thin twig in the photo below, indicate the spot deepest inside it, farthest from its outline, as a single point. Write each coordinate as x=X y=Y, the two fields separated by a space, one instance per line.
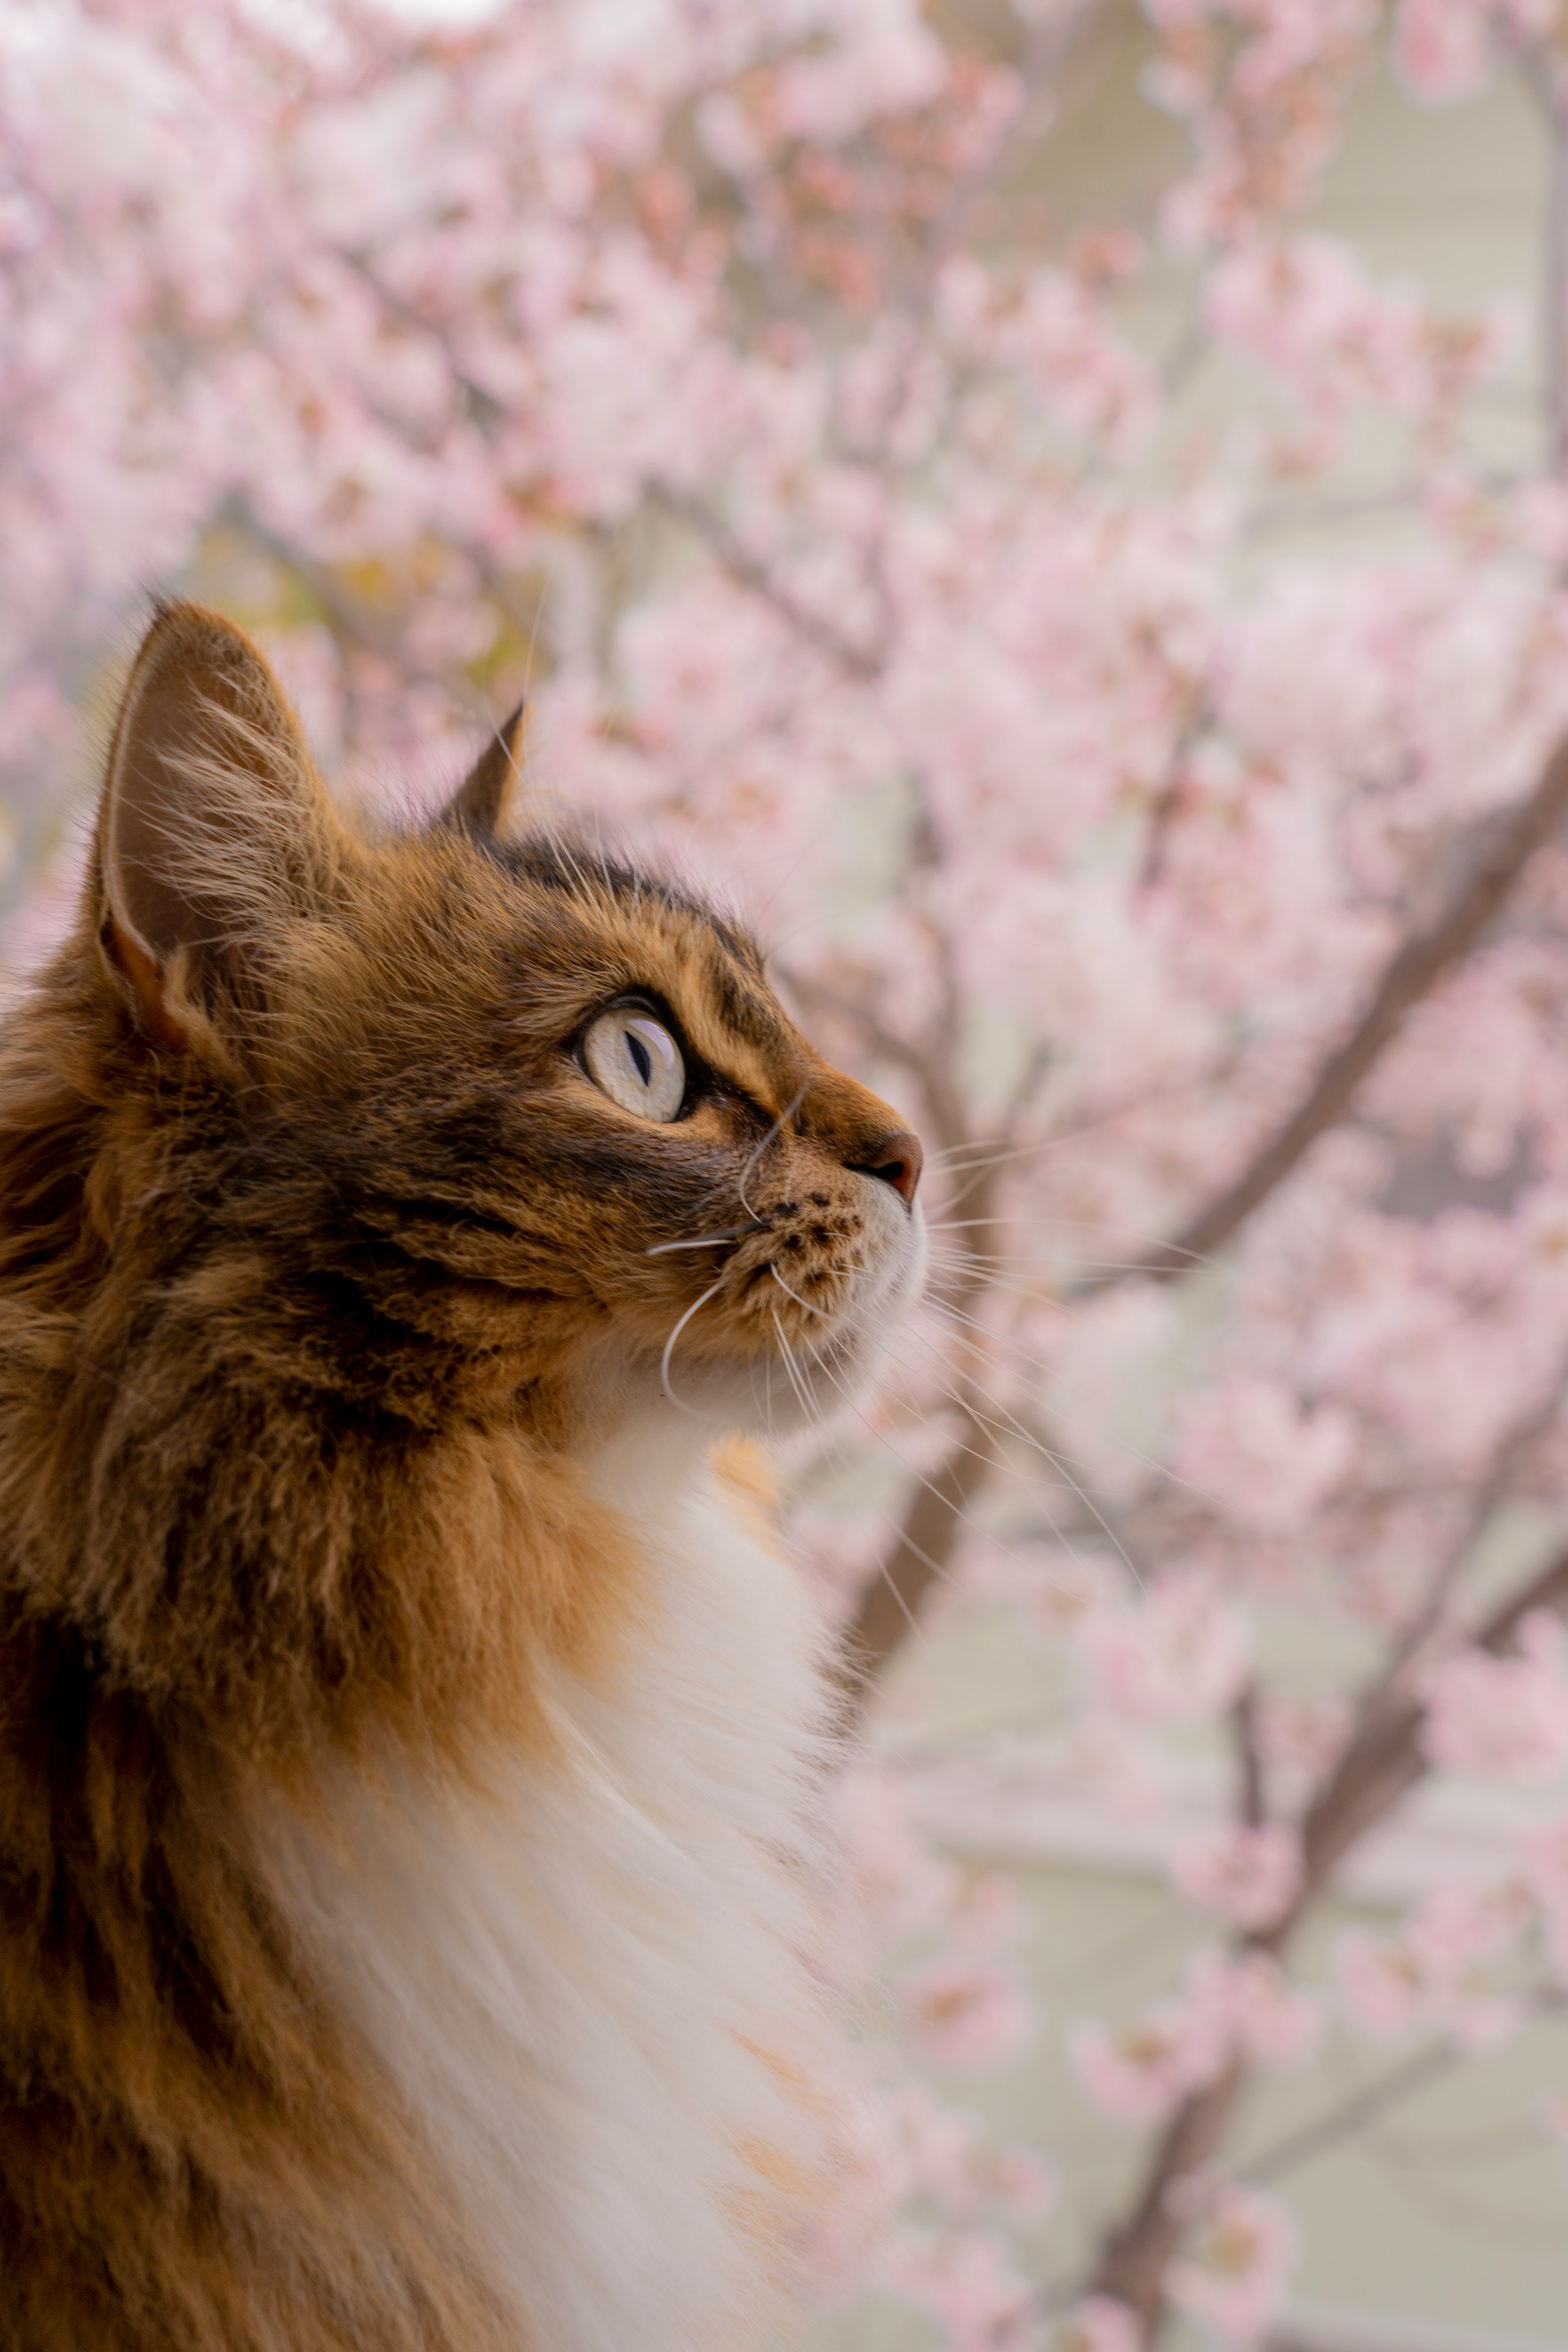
x=749 y=572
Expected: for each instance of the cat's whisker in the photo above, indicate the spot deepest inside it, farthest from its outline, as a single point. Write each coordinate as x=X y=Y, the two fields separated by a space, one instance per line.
x=791 y=1369
x=711 y=1292
x=1061 y=1407
x=799 y=1301
x=1074 y=1225
x=982 y=1154
x=1066 y=1478
x=766 y=1401
x=707 y=1241
x=547 y=591
x=918 y=1633
x=1057 y=1279
x=967 y=1406
x=886 y=1442
x=1008 y=1423
x=777 y=1129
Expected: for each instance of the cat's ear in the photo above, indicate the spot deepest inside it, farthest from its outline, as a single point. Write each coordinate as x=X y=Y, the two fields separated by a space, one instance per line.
x=214 y=830
x=490 y=791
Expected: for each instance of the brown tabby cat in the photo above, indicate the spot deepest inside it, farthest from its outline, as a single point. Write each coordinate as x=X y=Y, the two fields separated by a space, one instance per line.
x=408 y=1746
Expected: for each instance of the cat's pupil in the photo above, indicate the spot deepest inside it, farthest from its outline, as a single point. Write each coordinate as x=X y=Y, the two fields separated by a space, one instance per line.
x=641 y=1057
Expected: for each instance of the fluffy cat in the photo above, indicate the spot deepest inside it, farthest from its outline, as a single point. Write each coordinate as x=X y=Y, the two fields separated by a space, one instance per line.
x=409 y=1742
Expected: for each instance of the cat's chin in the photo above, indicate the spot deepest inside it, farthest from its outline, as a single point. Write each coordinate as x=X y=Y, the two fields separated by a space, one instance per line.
x=780 y=1394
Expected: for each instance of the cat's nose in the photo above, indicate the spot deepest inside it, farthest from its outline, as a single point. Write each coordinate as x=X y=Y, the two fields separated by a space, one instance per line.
x=897 y=1161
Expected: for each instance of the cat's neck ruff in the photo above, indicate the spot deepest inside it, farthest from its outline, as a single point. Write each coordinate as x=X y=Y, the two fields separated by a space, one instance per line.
x=652 y=1463
x=593 y=1985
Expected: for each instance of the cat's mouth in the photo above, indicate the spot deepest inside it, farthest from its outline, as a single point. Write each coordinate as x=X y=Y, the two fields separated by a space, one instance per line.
x=808 y=1299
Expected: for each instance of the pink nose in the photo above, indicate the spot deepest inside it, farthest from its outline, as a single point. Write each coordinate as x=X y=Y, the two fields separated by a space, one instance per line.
x=897 y=1161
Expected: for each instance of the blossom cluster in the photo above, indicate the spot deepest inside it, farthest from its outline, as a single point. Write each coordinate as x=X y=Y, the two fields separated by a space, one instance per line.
x=719 y=376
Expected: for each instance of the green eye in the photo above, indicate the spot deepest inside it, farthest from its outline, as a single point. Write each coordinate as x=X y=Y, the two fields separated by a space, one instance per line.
x=637 y=1062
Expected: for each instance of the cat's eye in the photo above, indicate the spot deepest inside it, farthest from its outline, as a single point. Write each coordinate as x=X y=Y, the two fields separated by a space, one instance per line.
x=637 y=1061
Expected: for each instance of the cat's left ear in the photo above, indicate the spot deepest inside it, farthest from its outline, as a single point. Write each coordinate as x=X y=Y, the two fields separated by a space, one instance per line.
x=490 y=791
x=215 y=833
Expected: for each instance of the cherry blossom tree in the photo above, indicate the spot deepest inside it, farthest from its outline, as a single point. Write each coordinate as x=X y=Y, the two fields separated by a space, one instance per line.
x=735 y=377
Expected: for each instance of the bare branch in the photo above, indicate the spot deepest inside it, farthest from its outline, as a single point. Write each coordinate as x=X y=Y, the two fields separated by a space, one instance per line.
x=347 y=616
x=1362 y=2106
x=1251 y=1790
x=1371 y=2101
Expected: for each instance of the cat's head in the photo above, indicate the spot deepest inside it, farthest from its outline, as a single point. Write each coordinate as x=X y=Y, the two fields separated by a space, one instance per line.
x=481 y=1112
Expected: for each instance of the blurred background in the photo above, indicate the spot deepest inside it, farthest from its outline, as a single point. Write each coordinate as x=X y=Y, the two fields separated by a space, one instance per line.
x=1056 y=509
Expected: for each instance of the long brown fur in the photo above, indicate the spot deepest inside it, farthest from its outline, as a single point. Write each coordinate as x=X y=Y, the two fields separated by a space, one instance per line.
x=320 y=1266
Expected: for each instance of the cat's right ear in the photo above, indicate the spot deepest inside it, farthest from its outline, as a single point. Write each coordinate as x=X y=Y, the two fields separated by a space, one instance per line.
x=214 y=830
x=490 y=791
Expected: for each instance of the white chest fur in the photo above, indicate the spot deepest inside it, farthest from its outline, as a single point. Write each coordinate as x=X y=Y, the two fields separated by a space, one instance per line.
x=595 y=1989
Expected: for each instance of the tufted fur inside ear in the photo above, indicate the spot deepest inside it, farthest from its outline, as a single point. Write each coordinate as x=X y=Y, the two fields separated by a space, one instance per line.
x=489 y=792
x=214 y=829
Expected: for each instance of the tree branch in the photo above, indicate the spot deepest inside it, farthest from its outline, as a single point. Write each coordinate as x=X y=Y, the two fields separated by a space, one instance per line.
x=918 y=1557
x=346 y=616
x=1138 y=2254
x=1362 y=2106
x=1385 y=1759
x=1252 y=1795
x=1502 y=849
x=937 y=1510
x=1424 y=1619
x=1549 y=80
x=1371 y=2100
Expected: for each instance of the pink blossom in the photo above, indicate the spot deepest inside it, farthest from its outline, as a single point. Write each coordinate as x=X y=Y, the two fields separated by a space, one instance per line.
x=1099 y=2323
x=929 y=2151
x=1380 y=1983
x=1248 y=1874
x=1024 y=2184
x=1235 y=2273
x=1441 y=1972
x=969 y=2281
x=1261 y=2014
x=1502 y=1718
x=965 y=2011
x=1441 y=46
x=1250 y=1445
x=1176 y=1654
x=1137 y=2074
x=896 y=1883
